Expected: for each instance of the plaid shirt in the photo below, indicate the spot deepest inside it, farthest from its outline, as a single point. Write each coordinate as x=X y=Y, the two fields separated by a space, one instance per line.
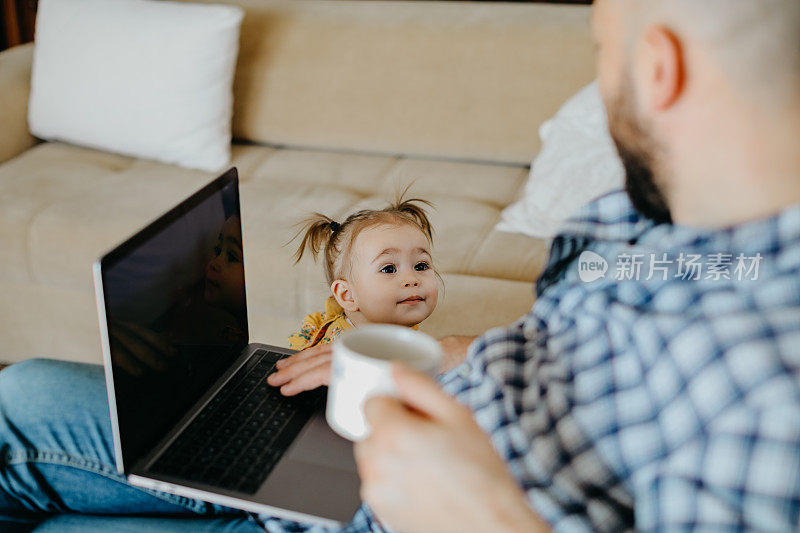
x=665 y=399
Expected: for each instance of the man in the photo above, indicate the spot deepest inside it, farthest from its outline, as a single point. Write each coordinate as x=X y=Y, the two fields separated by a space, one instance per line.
x=666 y=399
x=663 y=402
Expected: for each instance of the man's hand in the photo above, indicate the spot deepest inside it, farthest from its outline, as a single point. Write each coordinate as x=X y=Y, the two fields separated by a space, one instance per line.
x=311 y=368
x=454 y=348
x=427 y=466
x=303 y=371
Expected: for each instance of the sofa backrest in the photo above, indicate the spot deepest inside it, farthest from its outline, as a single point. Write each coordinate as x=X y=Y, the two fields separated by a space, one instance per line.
x=464 y=80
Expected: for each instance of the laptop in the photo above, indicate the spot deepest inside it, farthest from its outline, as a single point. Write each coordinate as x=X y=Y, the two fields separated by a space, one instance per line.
x=191 y=411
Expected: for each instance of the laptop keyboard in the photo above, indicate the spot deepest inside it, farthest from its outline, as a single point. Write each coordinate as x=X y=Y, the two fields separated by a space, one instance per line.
x=238 y=438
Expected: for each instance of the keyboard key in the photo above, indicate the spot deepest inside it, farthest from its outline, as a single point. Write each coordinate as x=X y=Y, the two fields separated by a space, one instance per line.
x=247 y=433
x=225 y=460
x=253 y=452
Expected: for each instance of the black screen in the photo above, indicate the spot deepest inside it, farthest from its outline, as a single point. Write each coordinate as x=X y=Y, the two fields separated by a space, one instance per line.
x=175 y=311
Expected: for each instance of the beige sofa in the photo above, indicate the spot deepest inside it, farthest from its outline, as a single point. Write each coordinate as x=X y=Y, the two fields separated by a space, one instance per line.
x=336 y=105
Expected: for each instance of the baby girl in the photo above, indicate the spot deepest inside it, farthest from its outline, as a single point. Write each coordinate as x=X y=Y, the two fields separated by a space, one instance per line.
x=379 y=268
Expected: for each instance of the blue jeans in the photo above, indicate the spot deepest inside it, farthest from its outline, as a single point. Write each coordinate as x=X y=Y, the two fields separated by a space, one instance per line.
x=58 y=459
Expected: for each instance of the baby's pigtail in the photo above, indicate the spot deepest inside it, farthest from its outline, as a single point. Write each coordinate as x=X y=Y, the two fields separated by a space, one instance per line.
x=412 y=208
x=317 y=232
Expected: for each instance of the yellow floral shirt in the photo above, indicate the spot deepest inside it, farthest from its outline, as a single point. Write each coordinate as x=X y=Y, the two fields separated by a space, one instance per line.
x=322 y=328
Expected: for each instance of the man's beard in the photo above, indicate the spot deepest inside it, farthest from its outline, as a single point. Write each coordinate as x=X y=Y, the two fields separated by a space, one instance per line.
x=637 y=149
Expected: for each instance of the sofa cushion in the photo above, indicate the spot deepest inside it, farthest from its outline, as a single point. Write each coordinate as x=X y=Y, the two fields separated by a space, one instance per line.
x=15 y=82
x=62 y=206
x=137 y=77
x=578 y=162
x=463 y=80
x=68 y=205
x=46 y=176
x=494 y=185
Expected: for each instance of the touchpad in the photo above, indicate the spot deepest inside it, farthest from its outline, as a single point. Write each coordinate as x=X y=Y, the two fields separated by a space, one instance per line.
x=319 y=444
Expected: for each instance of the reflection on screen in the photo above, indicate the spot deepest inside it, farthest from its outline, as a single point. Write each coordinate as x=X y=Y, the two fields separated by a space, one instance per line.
x=176 y=311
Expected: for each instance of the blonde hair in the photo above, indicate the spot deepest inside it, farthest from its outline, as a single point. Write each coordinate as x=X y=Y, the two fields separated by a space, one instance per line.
x=335 y=240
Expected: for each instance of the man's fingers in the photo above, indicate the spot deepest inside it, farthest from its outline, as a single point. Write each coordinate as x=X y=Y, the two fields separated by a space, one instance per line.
x=384 y=410
x=294 y=371
x=305 y=354
x=292 y=359
x=318 y=376
x=388 y=416
x=454 y=349
x=421 y=393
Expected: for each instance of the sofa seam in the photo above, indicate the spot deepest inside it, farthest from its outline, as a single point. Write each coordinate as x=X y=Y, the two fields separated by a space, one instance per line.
x=28 y=246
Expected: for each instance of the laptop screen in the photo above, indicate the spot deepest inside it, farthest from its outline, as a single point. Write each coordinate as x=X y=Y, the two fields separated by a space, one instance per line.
x=175 y=312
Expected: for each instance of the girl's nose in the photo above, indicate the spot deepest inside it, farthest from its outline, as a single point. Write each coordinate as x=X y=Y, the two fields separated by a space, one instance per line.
x=410 y=283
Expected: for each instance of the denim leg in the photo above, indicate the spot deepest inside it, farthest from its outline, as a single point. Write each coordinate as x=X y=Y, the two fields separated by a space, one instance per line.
x=56 y=449
x=129 y=524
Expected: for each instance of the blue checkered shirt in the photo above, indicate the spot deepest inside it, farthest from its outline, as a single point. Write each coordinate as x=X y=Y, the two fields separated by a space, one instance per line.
x=666 y=398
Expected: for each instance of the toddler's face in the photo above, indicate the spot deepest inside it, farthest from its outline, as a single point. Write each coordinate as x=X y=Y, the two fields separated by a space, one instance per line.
x=224 y=282
x=392 y=276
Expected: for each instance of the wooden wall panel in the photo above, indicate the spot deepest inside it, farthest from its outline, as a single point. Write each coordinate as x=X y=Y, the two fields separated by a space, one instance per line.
x=17 y=23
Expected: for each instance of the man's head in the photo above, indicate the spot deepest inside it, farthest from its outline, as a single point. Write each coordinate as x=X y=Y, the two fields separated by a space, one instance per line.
x=687 y=84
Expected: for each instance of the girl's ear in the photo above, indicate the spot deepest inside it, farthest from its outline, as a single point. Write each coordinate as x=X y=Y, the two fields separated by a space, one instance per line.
x=344 y=296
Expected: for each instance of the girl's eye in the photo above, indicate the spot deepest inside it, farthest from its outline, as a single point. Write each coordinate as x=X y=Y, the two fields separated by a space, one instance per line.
x=422 y=266
x=388 y=269
x=217 y=250
x=232 y=257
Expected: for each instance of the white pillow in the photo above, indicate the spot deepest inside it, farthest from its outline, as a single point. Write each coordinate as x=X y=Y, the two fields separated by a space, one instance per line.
x=577 y=163
x=144 y=78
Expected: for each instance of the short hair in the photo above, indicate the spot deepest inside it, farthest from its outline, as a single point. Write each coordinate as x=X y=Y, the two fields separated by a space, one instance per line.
x=756 y=42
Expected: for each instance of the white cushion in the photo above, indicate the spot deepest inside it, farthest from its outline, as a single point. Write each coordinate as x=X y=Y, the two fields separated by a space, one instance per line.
x=577 y=163
x=144 y=78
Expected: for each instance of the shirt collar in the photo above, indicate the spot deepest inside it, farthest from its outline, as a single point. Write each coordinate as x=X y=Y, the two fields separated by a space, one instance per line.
x=612 y=217
x=767 y=235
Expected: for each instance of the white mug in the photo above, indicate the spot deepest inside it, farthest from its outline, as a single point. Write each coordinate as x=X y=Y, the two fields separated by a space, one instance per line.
x=361 y=368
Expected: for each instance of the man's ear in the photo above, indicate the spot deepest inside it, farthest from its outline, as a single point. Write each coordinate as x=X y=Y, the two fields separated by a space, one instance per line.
x=664 y=70
x=344 y=296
